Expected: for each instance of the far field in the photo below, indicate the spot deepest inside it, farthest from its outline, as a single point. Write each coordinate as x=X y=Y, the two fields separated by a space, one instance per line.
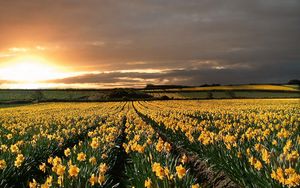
x=228 y=92
x=209 y=92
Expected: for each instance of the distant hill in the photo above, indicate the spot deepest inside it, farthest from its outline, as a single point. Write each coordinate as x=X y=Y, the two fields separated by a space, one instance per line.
x=226 y=92
x=152 y=86
x=151 y=92
x=207 y=87
x=294 y=82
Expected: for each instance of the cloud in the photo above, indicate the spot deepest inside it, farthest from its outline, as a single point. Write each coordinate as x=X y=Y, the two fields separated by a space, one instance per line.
x=245 y=37
x=194 y=77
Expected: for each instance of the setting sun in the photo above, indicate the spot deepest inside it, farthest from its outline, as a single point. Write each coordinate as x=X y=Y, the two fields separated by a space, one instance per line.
x=30 y=70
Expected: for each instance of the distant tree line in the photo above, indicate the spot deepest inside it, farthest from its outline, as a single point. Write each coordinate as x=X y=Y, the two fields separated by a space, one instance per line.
x=294 y=82
x=153 y=86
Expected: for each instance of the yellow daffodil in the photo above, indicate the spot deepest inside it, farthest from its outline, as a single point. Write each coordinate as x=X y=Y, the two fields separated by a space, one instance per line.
x=181 y=171
x=73 y=171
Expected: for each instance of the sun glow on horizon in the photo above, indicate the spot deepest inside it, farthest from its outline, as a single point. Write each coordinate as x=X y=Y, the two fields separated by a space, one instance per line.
x=31 y=70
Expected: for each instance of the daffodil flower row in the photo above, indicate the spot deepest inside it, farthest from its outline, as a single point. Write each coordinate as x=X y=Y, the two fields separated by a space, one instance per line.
x=259 y=135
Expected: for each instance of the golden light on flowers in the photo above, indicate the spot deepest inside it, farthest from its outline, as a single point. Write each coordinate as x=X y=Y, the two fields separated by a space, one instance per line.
x=37 y=125
x=48 y=182
x=67 y=152
x=103 y=168
x=168 y=147
x=243 y=131
x=9 y=136
x=287 y=176
x=160 y=145
x=248 y=133
x=196 y=186
x=258 y=165
x=168 y=173
x=73 y=171
x=14 y=148
x=60 y=170
x=95 y=143
x=50 y=160
x=93 y=180
x=293 y=156
x=93 y=160
x=60 y=180
x=33 y=184
x=181 y=171
x=104 y=156
x=42 y=167
x=56 y=161
x=184 y=159
x=2 y=164
x=148 y=183
x=3 y=147
x=81 y=156
x=101 y=179
x=159 y=170
x=19 y=160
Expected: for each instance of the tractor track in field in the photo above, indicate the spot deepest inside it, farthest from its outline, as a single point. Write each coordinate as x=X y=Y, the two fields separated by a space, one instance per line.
x=205 y=174
x=118 y=168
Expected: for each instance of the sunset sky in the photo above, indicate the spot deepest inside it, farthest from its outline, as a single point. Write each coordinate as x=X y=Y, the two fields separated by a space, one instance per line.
x=129 y=43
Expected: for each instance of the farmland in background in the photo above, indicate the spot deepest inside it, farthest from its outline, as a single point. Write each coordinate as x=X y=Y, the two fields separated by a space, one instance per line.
x=209 y=92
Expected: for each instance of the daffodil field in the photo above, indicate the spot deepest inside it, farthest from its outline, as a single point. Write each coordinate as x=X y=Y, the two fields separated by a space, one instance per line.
x=250 y=142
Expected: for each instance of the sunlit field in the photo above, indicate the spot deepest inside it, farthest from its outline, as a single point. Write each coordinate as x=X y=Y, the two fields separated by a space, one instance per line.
x=191 y=143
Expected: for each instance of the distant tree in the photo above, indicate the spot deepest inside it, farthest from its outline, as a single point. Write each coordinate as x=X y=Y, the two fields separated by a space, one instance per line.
x=294 y=82
x=127 y=94
x=152 y=86
x=204 y=85
x=208 y=85
x=210 y=95
x=165 y=97
x=231 y=94
x=37 y=95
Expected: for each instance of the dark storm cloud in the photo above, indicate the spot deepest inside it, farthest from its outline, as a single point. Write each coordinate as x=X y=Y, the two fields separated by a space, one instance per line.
x=235 y=74
x=243 y=41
